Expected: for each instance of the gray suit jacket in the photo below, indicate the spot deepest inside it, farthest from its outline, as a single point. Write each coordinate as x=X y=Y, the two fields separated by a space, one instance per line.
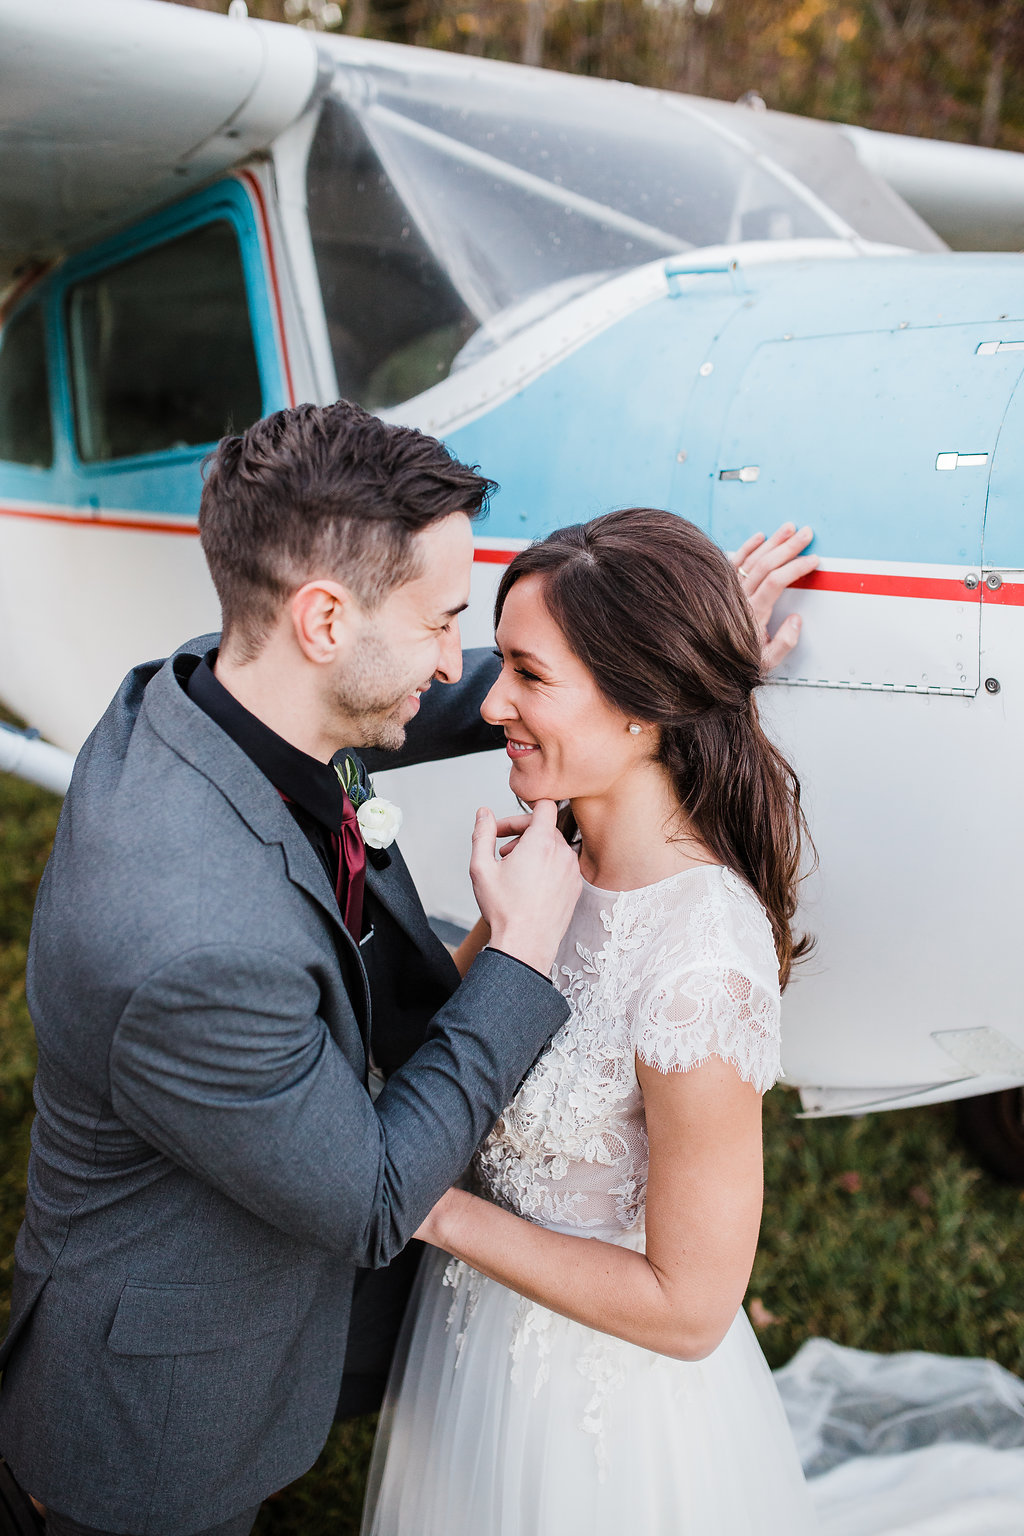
x=208 y=1170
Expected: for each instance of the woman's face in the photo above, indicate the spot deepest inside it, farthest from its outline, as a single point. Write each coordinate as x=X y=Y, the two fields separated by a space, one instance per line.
x=565 y=742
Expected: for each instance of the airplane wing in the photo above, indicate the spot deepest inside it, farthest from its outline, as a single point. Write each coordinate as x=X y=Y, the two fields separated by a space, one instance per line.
x=972 y=197
x=112 y=108
x=117 y=106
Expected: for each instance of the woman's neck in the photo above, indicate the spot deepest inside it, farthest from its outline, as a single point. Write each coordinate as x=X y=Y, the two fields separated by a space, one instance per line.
x=635 y=833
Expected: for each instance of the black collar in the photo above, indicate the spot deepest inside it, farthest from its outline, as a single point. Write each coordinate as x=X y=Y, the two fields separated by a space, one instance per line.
x=311 y=784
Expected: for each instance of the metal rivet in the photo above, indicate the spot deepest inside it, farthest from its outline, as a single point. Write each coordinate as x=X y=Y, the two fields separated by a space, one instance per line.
x=991 y=685
x=681 y=456
x=705 y=369
x=993 y=582
x=970 y=581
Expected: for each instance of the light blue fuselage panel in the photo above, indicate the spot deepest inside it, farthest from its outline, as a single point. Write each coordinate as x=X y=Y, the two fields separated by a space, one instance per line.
x=839 y=381
x=835 y=383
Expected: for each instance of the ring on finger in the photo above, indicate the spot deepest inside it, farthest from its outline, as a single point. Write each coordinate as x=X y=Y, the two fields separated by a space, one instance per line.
x=741 y=571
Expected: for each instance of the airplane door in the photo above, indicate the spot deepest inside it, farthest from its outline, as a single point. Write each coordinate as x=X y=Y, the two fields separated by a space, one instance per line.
x=1000 y=722
x=881 y=441
x=884 y=443
x=162 y=340
x=1004 y=517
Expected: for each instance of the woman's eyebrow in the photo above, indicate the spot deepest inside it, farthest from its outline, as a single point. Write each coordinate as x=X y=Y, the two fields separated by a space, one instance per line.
x=527 y=656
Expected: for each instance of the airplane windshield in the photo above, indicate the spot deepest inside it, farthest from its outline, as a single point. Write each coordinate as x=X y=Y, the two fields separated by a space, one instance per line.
x=452 y=206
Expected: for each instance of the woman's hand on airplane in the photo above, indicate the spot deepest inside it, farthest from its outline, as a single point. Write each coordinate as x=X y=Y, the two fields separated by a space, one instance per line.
x=766 y=568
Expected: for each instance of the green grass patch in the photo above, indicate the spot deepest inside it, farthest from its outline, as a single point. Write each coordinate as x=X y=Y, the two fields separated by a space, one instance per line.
x=878 y=1232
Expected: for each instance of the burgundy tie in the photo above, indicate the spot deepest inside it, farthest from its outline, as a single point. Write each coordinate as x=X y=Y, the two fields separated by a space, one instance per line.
x=350 y=851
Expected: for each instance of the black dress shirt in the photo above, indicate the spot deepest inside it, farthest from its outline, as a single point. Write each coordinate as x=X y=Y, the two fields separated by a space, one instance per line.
x=311 y=789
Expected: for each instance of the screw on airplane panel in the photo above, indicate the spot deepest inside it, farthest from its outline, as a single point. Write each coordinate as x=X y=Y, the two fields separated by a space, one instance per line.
x=605 y=296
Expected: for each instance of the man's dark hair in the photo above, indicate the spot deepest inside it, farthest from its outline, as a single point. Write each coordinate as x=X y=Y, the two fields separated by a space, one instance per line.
x=319 y=491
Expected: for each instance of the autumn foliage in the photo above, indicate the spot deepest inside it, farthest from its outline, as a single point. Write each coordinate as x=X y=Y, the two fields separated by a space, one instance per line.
x=948 y=69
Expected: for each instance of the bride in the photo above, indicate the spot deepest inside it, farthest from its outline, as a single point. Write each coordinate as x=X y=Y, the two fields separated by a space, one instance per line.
x=576 y=1358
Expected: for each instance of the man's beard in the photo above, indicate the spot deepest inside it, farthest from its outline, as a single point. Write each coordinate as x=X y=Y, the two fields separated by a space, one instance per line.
x=371 y=699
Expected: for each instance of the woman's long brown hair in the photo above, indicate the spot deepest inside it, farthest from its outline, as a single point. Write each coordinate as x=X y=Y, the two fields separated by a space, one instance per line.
x=656 y=614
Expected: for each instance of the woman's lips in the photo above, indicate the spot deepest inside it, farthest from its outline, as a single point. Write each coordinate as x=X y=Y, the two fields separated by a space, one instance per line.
x=517 y=750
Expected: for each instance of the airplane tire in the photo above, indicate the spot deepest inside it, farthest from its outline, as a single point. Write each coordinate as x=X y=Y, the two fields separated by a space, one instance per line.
x=992 y=1126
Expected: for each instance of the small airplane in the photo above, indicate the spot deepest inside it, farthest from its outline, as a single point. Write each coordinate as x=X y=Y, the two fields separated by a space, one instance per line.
x=605 y=296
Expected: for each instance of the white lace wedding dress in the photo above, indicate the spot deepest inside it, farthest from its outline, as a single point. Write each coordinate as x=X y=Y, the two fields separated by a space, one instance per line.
x=504 y=1419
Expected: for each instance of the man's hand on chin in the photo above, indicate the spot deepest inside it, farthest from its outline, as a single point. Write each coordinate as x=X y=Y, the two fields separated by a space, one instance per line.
x=766 y=568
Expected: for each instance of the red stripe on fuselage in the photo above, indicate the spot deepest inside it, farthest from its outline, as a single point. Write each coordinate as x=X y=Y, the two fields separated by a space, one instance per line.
x=88 y=520
x=257 y=192
x=495 y=556
x=856 y=583
x=946 y=589
x=1009 y=595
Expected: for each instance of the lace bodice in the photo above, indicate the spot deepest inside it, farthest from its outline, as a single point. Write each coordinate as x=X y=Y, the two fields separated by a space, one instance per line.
x=670 y=975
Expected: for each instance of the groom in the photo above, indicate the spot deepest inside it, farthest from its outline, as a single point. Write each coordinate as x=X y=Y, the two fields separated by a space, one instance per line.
x=217 y=960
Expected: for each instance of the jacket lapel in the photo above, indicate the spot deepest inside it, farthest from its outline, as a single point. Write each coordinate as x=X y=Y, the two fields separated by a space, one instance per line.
x=305 y=870
x=393 y=886
x=195 y=737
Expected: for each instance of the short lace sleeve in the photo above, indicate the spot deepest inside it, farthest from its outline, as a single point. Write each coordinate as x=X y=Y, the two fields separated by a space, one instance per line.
x=712 y=1011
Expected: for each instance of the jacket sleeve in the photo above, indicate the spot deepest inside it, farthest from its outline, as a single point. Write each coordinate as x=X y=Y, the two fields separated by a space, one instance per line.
x=449 y=723
x=259 y=1101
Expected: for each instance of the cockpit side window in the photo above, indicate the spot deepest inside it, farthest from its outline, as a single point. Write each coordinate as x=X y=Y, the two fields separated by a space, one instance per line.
x=161 y=349
x=26 y=432
x=395 y=319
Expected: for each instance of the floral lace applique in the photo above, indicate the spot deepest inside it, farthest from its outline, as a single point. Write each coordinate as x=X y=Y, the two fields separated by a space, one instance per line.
x=671 y=975
x=461 y=1278
x=535 y=1323
x=600 y=1359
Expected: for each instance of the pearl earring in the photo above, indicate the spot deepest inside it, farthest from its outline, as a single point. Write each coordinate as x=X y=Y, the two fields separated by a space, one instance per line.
x=634 y=729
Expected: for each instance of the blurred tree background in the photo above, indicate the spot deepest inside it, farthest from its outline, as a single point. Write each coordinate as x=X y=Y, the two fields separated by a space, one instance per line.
x=945 y=69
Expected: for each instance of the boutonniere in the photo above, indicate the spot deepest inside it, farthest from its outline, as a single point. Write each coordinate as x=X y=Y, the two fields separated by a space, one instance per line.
x=380 y=820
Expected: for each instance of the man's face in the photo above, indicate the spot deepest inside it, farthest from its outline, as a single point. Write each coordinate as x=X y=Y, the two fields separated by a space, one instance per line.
x=412 y=638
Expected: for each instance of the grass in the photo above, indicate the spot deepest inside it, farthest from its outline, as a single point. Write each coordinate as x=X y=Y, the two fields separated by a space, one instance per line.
x=878 y=1233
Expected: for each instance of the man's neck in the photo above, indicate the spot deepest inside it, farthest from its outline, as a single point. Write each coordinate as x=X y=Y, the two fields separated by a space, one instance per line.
x=285 y=698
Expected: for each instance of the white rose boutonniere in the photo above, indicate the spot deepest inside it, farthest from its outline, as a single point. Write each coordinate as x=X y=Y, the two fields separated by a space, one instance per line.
x=379 y=821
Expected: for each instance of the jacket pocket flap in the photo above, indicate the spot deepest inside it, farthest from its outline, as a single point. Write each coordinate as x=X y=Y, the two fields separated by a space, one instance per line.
x=190 y=1319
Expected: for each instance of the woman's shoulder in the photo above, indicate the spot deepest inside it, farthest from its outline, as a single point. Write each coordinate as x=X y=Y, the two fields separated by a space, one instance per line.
x=711 y=980
x=709 y=915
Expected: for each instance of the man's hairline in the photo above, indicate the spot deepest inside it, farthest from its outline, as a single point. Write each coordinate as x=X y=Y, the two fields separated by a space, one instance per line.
x=249 y=641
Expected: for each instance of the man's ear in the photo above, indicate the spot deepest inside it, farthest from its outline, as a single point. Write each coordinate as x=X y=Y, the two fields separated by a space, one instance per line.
x=324 y=617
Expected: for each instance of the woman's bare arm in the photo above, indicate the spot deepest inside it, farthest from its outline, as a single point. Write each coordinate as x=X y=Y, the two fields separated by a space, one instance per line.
x=478 y=938
x=703 y=1213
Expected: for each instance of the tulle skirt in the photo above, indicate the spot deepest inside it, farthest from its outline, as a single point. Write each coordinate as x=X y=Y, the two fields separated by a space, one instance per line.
x=504 y=1419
